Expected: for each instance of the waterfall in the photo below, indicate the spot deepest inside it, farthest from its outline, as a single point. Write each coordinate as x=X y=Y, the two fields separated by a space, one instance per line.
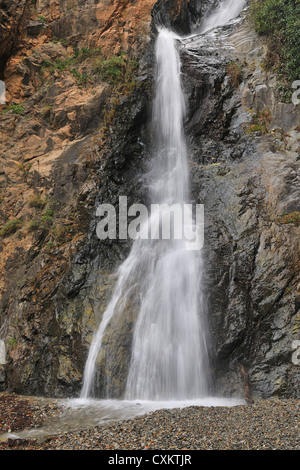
x=169 y=359
x=169 y=351
x=225 y=11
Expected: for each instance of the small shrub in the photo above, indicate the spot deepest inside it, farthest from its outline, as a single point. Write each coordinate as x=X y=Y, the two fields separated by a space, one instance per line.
x=63 y=64
x=12 y=226
x=37 y=202
x=292 y=218
x=81 y=78
x=42 y=19
x=32 y=226
x=81 y=54
x=66 y=64
x=47 y=216
x=235 y=73
x=118 y=70
x=62 y=234
x=15 y=108
x=279 y=22
x=260 y=122
x=111 y=70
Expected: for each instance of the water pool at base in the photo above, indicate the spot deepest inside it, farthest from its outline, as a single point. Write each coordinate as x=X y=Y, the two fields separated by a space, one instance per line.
x=79 y=414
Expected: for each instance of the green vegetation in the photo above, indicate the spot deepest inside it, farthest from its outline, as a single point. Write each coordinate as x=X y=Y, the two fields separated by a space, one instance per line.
x=279 y=22
x=47 y=216
x=62 y=234
x=32 y=226
x=42 y=19
x=119 y=70
x=10 y=227
x=15 y=108
x=235 y=73
x=37 y=202
x=45 y=219
x=57 y=233
x=69 y=63
x=82 y=78
x=81 y=54
x=111 y=70
x=290 y=218
x=260 y=122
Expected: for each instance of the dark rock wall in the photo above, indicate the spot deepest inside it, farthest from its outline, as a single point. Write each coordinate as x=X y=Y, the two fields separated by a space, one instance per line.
x=246 y=177
x=181 y=17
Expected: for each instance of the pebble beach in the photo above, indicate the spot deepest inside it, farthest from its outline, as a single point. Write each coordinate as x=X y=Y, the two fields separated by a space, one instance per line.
x=266 y=425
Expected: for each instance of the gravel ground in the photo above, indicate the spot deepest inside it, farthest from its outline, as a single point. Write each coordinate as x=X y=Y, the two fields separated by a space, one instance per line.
x=265 y=425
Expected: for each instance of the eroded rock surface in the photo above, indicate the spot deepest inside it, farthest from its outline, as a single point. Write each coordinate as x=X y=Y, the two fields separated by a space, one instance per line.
x=244 y=147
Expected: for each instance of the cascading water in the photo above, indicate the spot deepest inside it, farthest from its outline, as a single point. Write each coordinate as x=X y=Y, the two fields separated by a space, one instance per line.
x=169 y=352
x=225 y=11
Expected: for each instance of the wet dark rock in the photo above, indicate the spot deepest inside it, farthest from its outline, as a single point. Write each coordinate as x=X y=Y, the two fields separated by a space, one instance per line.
x=181 y=17
x=2 y=378
x=11 y=15
x=34 y=28
x=245 y=182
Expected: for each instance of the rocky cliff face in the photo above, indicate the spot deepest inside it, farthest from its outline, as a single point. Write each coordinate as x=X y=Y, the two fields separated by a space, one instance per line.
x=74 y=135
x=244 y=147
x=70 y=70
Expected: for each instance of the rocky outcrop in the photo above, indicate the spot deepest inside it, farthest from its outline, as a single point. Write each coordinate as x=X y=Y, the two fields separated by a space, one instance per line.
x=62 y=154
x=245 y=170
x=11 y=20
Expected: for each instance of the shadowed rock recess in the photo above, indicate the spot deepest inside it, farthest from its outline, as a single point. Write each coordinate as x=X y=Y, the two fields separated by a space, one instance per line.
x=74 y=134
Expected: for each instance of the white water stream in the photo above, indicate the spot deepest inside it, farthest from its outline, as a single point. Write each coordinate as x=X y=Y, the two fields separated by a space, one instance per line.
x=226 y=11
x=169 y=353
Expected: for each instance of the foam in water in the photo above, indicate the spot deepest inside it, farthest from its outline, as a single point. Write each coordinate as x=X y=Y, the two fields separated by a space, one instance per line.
x=225 y=11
